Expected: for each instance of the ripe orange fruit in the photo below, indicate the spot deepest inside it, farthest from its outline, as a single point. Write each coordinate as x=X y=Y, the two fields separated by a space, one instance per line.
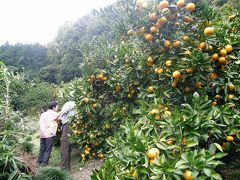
x=101 y=155
x=198 y=85
x=157 y=117
x=187 y=19
x=170 y=142
x=213 y=76
x=214 y=103
x=167 y=43
x=176 y=74
x=228 y=48
x=162 y=20
x=152 y=161
x=153 y=29
x=158 y=25
x=150 y=59
x=94 y=105
x=223 y=52
x=167 y=113
x=153 y=16
x=202 y=45
x=180 y=3
x=176 y=44
x=231 y=86
x=208 y=31
x=154 y=111
x=150 y=89
x=177 y=23
x=160 y=70
x=215 y=56
x=168 y=63
x=152 y=153
x=189 y=70
x=187 y=175
x=190 y=7
x=86 y=100
x=87 y=152
x=163 y=4
x=131 y=32
x=230 y=97
x=230 y=138
x=185 y=38
x=148 y=37
x=218 y=96
x=222 y=60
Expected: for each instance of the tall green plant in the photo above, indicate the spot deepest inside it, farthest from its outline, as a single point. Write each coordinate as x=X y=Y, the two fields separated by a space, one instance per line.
x=4 y=91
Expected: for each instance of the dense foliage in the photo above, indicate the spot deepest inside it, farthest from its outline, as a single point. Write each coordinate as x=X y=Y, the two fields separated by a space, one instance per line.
x=12 y=126
x=169 y=87
x=30 y=58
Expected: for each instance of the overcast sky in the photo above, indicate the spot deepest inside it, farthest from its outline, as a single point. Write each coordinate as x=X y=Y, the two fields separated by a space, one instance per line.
x=30 y=21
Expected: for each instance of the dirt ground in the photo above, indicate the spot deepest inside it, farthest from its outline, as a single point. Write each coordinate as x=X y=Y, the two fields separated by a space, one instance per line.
x=85 y=172
x=79 y=170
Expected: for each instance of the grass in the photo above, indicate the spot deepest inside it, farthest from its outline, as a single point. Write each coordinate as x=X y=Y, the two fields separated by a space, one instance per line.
x=52 y=173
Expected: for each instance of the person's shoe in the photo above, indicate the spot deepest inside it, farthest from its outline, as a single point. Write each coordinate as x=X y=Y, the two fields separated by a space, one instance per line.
x=43 y=165
x=38 y=164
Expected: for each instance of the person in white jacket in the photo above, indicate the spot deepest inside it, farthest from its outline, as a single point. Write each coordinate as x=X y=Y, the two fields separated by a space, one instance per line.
x=48 y=128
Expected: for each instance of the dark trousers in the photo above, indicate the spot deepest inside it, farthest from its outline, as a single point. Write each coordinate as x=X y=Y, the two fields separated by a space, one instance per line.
x=45 y=150
x=65 y=148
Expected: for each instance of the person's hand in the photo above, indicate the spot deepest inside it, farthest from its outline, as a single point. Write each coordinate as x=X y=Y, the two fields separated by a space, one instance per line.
x=57 y=119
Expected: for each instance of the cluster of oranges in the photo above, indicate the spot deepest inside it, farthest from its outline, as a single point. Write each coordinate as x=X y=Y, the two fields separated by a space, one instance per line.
x=152 y=154
x=158 y=111
x=99 y=76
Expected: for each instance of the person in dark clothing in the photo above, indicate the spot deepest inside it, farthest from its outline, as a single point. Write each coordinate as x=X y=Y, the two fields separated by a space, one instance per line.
x=66 y=113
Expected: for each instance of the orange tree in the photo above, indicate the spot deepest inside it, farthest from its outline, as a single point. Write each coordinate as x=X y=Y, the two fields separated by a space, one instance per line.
x=170 y=90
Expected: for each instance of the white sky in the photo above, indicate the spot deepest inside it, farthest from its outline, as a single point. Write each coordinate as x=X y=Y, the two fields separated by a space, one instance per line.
x=30 y=21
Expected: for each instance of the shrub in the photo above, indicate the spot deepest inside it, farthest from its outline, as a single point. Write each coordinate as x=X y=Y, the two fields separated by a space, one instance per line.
x=26 y=146
x=52 y=173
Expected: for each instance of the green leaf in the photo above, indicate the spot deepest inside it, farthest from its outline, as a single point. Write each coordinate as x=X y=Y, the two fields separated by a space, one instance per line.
x=191 y=143
x=179 y=163
x=143 y=170
x=218 y=146
x=220 y=155
x=161 y=146
x=155 y=177
x=211 y=173
x=13 y=174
